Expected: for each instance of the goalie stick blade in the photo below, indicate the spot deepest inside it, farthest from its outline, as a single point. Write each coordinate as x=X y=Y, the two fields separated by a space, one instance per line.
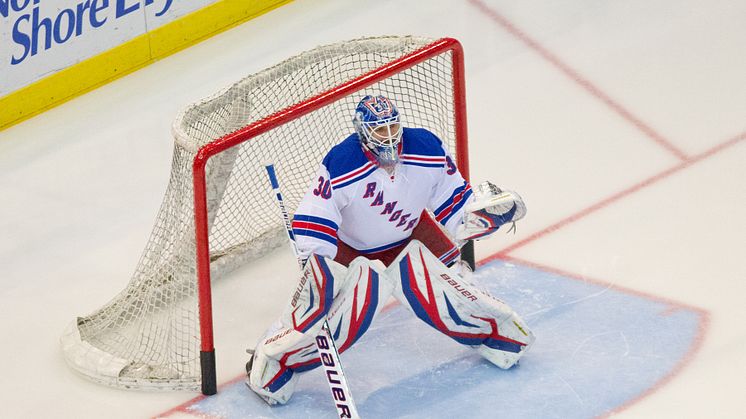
x=249 y=364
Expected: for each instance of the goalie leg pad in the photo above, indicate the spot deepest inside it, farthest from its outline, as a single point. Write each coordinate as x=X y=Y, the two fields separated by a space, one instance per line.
x=288 y=345
x=511 y=327
x=364 y=293
x=320 y=282
x=285 y=351
x=445 y=301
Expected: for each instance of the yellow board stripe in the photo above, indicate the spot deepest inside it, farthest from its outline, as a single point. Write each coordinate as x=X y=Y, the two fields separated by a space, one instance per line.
x=132 y=55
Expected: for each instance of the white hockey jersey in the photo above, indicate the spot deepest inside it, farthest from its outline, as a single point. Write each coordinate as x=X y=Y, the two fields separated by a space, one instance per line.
x=353 y=200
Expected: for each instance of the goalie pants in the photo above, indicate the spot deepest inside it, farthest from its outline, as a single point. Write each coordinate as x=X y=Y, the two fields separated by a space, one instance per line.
x=427 y=231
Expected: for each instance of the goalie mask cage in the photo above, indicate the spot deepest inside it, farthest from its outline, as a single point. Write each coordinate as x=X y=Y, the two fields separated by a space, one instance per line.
x=218 y=211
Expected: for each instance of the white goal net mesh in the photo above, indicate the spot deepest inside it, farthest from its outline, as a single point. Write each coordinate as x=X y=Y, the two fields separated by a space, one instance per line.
x=148 y=335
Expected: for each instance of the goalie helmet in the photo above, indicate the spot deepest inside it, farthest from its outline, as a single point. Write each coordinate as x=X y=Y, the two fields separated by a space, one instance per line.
x=379 y=128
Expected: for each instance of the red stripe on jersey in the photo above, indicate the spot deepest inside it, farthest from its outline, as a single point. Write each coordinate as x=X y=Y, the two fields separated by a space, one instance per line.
x=307 y=225
x=423 y=158
x=352 y=174
x=443 y=214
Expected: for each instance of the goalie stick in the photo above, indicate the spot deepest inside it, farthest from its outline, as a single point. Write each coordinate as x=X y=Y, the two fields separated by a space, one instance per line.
x=324 y=342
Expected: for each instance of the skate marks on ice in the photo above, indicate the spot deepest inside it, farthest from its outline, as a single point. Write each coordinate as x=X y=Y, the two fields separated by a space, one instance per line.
x=598 y=348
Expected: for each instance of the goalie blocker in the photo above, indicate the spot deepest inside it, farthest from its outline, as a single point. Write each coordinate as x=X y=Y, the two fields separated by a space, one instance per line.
x=351 y=297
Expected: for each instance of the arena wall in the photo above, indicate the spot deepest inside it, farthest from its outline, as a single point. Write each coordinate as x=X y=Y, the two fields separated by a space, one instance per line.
x=54 y=50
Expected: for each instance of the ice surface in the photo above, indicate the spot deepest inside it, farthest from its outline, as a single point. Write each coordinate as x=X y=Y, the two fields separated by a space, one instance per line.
x=563 y=99
x=598 y=348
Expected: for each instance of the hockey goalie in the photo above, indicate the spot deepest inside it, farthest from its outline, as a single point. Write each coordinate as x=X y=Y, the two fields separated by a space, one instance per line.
x=365 y=233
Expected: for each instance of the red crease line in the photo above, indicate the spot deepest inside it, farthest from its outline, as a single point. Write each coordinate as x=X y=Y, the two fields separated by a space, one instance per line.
x=607 y=201
x=579 y=79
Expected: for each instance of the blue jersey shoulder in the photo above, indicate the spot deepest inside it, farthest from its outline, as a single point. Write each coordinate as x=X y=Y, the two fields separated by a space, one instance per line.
x=345 y=157
x=421 y=142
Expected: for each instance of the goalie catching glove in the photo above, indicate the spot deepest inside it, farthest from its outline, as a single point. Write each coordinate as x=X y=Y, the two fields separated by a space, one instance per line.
x=490 y=208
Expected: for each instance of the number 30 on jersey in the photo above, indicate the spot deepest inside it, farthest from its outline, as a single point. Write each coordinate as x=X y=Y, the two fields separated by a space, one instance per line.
x=324 y=189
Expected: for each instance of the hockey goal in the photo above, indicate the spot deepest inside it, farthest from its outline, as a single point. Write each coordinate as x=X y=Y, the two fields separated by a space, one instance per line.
x=218 y=212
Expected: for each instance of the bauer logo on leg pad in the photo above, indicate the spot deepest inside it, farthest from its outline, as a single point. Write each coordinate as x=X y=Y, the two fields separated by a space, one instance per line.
x=440 y=298
x=458 y=287
x=301 y=285
x=278 y=336
x=314 y=294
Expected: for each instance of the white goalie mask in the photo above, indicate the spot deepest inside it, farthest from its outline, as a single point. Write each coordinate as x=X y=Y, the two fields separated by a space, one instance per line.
x=379 y=128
